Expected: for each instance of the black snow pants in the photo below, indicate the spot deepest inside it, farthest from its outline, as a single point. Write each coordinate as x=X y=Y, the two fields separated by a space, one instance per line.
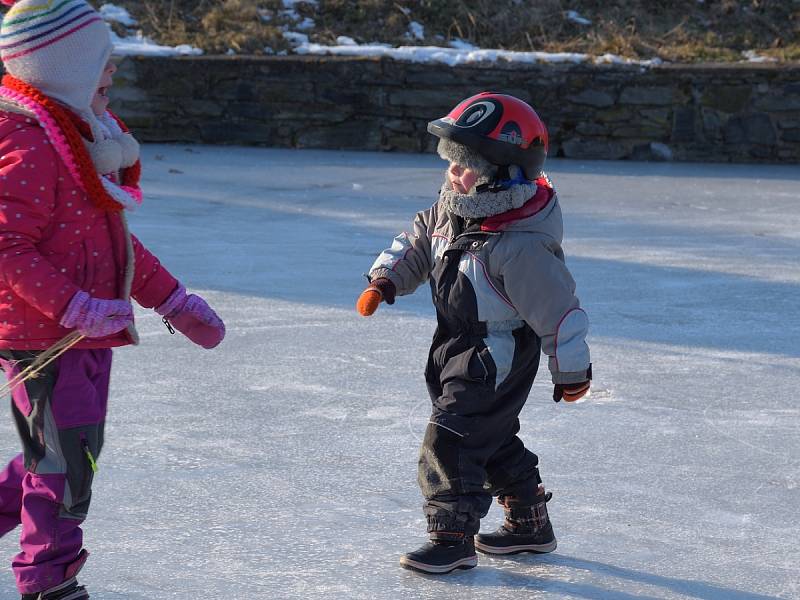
x=471 y=451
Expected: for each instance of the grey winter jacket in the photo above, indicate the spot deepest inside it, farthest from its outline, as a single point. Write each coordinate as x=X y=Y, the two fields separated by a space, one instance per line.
x=518 y=274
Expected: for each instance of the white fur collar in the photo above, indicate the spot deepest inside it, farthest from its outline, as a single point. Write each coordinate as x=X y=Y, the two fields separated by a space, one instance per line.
x=477 y=205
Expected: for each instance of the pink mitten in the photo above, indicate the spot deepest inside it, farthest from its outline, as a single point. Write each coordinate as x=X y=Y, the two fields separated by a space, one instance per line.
x=193 y=317
x=96 y=318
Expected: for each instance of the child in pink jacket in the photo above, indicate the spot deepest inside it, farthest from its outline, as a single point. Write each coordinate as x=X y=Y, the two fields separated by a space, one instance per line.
x=69 y=173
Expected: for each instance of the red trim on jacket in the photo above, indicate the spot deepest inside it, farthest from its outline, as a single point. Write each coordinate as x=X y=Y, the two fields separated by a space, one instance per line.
x=544 y=193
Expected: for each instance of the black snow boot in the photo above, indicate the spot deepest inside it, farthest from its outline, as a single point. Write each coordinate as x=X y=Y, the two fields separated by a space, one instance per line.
x=527 y=528
x=68 y=590
x=442 y=556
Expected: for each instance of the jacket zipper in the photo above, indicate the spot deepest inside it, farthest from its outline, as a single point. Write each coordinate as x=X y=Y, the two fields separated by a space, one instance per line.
x=170 y=328
x=87 y=451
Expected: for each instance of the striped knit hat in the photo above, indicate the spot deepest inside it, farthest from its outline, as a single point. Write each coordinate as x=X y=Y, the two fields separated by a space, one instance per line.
x=60 y=47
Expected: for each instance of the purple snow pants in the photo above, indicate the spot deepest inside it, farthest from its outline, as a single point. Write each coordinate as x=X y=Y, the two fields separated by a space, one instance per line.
x=60 y=416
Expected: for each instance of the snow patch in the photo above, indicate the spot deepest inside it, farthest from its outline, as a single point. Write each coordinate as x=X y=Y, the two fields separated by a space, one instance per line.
x=296 y=38
x=136 y=44
x=306 y=24
x=416 y=30
x=139 y=45
x=575 y=17
x=460 y=44
x=290 y=12
x=117 y=14
x=457 y=56
x=614 y=59
x=754 y=57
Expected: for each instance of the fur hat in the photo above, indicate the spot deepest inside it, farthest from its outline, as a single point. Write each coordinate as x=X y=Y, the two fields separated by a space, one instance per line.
x=58 y=46
x=466 y=157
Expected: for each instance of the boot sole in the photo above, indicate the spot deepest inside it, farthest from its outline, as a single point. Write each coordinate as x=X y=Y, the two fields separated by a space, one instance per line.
x=534 y=548
x=469 y=562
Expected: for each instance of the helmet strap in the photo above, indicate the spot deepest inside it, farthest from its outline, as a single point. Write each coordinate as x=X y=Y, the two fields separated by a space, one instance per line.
x=502 y=181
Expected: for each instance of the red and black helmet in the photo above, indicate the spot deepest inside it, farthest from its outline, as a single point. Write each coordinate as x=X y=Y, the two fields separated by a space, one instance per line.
x=501 y=128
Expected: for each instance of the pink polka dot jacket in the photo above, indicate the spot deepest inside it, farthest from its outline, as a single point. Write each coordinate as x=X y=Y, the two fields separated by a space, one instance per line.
x=55 y=242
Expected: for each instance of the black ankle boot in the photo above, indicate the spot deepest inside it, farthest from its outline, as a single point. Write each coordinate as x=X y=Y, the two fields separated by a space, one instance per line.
x=526 y=528
x=441 y=556
x=67 y=590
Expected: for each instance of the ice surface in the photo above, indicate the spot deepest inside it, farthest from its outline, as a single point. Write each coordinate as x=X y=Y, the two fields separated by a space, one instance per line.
x=283 y=464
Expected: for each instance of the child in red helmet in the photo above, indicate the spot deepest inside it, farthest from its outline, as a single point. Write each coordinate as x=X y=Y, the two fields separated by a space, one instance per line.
x=491 y=248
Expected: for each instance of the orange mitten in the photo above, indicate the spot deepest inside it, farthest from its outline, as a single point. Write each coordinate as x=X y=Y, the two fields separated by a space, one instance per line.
x=380 y=289
x=571 y=392
x=368 y=302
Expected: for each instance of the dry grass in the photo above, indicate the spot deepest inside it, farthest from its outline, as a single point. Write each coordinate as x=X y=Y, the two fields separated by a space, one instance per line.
x=675 y=30
x=213 y=25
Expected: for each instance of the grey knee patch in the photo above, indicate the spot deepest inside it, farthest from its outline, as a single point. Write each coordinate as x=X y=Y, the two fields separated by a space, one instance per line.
x=439 y=468
x=68 y=452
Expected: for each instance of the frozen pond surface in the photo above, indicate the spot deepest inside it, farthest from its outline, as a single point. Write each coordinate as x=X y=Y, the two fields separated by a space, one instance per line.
x=283 y=465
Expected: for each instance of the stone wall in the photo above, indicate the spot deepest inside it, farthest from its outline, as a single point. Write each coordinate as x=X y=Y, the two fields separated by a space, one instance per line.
x=742 y=113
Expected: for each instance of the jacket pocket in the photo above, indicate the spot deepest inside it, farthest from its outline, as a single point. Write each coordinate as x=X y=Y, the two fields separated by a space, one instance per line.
x=487 y=364
x=474 y=365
